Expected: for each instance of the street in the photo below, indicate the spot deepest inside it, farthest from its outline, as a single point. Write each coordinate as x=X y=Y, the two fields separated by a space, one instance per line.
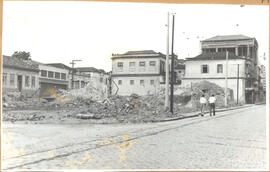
x=235 y=139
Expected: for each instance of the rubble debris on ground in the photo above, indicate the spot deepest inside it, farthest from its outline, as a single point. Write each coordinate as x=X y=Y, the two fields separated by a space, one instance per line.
x=90 y=103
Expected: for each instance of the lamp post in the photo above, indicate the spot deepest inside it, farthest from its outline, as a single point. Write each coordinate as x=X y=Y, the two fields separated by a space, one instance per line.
x=72 y=79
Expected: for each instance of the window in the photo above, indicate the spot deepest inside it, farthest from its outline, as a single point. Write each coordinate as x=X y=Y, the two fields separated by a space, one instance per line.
x=131 y=82
x=152 y=63
x=12 y=79
x=179 y=71
x=152 y=82
x=44 y=73
x=131 y=64
x=50 y=74
x=57 y=75
x=204 y=68
x=4 y=78
x=120 y=64
x=142 y=64
x=63 y=76
x=27 y=80
x=106 y=81
x=119 y=82
x=33 y=82
x=141 y=82
x=101 y=80
x=219 y=68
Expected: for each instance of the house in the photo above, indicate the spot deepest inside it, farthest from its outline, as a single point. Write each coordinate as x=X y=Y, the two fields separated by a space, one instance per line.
x=19 y=76
x=211 y=65
x=52 y=77
x=139 y=72
x=99 y=77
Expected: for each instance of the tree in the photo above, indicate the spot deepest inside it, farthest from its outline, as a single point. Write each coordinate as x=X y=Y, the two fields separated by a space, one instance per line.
x=22 y=55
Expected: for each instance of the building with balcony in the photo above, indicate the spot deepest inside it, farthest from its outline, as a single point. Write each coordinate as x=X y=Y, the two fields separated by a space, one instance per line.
x=19 y=76
x=139 y=72
x=211 y=65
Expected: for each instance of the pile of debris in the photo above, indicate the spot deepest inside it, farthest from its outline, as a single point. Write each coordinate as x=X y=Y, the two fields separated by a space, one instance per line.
x=22 y=116
x=190 y=97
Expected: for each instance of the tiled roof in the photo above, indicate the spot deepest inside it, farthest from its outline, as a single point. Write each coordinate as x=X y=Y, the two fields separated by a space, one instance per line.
x=89 y=69
x=139 y=54
x=180 y=66
x=227 y=37
x=215 y=56
x=19 y=64
x=59 y=65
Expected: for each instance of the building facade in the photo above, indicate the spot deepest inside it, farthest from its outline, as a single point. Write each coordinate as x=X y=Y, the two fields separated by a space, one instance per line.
x=52 y=78
x=211 y=65
x=98 y=77
x=18 y=76
x=139 y=72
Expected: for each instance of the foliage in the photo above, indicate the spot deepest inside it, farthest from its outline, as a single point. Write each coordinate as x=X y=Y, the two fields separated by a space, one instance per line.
x=22 y=55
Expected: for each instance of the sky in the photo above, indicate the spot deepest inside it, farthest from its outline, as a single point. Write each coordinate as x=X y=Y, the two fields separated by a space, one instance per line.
x=59 y=32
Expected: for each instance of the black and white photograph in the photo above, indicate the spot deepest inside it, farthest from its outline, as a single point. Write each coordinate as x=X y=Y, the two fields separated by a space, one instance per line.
x=134 y=86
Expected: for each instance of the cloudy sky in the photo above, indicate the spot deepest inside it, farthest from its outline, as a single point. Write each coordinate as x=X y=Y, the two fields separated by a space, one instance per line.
x=57 y=32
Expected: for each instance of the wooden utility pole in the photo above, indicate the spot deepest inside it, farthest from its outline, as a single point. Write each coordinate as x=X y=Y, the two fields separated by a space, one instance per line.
x=172 y=67
x=167 y=66
x=72 y=74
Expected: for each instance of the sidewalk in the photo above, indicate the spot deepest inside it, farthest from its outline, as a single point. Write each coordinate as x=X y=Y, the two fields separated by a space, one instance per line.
x=197 y=113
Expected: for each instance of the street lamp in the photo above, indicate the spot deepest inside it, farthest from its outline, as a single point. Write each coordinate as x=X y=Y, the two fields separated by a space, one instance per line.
x=72 y=80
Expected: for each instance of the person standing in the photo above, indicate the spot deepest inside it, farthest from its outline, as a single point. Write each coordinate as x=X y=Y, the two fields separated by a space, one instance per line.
x=203 y=102
x=212 y=104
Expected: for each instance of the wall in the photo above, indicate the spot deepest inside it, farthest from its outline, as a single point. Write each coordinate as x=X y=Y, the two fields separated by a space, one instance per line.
x=193 y=68
x=137 y=69
x=27 y=91
x=127 y=89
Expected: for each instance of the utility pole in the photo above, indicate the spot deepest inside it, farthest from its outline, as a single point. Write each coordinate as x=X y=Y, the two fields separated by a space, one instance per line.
x=226 y=80
x=167 y=67
x=172 y=67
x=237 y=83
x=72 y=79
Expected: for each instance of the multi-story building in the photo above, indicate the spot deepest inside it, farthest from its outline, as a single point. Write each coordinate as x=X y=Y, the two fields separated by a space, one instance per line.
x=211 y=65
x=139 y=72
x=18 y=76
x=98 y=77
x=53 y=77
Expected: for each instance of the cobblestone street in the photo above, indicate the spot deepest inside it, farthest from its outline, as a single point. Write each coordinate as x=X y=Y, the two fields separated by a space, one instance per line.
x=233 y=139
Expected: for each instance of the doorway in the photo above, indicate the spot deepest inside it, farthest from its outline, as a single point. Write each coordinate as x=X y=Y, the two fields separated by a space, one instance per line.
x=19 y=81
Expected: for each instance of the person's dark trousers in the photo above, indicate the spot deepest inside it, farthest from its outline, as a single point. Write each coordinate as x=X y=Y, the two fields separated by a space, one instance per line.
x=212 y=109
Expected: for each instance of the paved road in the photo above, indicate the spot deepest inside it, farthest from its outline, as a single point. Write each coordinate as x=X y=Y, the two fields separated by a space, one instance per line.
x=231 y=140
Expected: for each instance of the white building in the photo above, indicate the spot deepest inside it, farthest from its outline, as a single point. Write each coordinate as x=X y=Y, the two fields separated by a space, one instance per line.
x=210 y=65
x=98 y=77
x=139 y=72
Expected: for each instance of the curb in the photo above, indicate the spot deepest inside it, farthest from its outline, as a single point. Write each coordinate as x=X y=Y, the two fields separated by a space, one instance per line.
x=198 y=113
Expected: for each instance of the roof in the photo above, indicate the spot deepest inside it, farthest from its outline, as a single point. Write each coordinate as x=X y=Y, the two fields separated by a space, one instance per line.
x=180 y=66
x=89 y=69
x=59 y=65
x=14 y=62
x=215 y=56
x=228 y=37
x=139 y=54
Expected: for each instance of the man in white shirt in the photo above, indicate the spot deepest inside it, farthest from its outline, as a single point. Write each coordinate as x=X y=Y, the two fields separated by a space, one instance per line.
x=212 y=102
x=203 y=102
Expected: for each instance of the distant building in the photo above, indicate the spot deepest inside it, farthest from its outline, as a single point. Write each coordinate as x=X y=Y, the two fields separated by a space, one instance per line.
x=19 y=76
x=139 y=72
x=180 y=69
x=99 y=77
x=53 y=77
x=211 y=65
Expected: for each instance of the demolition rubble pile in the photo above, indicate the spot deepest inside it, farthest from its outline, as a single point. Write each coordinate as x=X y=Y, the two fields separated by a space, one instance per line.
x=194 y=92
